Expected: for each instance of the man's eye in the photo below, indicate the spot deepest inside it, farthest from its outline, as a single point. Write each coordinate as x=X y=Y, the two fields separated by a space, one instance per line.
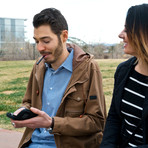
x=46 y=42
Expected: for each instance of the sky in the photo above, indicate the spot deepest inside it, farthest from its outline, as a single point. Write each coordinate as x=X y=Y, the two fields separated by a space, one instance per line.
x=93 y=21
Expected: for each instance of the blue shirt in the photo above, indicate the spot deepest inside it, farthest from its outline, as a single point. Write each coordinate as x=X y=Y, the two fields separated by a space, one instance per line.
x=55 y=83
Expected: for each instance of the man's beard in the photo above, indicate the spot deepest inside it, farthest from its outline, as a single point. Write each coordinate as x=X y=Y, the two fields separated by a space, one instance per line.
x=57 y=52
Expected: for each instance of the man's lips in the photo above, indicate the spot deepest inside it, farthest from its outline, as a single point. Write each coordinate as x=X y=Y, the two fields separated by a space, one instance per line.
x=46 y=54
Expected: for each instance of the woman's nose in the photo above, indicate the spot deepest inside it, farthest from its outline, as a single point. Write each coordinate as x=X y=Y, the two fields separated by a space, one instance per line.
x=121 y=35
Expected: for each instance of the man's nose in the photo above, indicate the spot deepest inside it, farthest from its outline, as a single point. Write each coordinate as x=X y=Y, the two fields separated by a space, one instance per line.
x=40 y=46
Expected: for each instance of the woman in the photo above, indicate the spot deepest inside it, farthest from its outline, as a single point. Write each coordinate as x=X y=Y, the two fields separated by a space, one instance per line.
x=127 y=122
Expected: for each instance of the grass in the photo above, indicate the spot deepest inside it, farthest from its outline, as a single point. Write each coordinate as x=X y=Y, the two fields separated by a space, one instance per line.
x=108 y=67
x=14 y=76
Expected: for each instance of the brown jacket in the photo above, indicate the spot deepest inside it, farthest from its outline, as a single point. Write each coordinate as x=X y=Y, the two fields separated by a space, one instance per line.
x=80 y=119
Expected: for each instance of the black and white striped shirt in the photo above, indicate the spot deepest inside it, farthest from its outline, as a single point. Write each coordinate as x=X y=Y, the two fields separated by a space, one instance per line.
x=132 y=107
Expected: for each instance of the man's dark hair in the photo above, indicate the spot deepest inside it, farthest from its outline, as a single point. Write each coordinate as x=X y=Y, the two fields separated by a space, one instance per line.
x=53 y=18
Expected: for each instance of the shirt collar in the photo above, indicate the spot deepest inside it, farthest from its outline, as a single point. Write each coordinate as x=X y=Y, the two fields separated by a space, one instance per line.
x=67 y=64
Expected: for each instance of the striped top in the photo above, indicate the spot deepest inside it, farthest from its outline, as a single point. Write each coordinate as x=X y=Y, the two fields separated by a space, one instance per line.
x=132 y=107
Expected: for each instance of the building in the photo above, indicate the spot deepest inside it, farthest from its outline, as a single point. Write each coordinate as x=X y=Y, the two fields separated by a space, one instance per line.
x=12 y=31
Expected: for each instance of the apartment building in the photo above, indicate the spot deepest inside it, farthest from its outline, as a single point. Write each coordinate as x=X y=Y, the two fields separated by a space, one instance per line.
x=12 y=31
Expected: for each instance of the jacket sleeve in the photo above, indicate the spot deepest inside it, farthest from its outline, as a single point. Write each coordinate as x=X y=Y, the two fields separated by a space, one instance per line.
x=113 y=124
x=28 y=94
x=94 y=117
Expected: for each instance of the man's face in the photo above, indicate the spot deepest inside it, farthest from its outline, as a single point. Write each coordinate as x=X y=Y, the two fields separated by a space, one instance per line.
x=48 y=44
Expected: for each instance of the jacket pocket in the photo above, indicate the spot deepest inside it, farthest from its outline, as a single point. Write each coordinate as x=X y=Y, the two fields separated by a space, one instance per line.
x=74 y=107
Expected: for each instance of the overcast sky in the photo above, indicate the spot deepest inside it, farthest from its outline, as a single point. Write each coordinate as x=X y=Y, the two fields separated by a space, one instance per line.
x=90 y=20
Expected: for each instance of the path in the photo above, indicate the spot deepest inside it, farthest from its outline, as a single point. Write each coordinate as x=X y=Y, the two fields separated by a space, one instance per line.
x=9 y=138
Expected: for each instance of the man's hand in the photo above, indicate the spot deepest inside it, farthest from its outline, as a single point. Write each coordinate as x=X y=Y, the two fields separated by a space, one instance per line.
x=43 y=120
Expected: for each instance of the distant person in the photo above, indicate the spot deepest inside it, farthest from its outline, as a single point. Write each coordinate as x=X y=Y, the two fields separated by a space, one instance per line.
x=127 y=121
x=64 y=90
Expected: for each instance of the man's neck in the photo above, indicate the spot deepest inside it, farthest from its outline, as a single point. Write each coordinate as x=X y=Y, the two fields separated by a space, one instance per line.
x=61 y=59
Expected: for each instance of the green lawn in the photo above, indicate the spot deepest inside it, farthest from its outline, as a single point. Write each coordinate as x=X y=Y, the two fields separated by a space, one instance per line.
x=14 y=76
x=108 y=67
x=13 y=80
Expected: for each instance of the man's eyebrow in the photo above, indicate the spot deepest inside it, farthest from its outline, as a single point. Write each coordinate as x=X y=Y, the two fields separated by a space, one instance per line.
x=45 y=37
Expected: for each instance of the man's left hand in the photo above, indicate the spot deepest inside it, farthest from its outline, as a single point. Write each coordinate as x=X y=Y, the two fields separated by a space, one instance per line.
x=43 y=120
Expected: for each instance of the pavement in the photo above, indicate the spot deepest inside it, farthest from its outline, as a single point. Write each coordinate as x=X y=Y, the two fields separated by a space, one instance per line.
x=9 y=138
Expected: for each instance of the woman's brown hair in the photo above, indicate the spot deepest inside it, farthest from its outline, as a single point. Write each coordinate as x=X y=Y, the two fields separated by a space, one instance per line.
x=137 y=30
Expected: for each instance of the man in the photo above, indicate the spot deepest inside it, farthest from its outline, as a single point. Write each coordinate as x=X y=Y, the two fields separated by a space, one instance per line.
x=64 y=90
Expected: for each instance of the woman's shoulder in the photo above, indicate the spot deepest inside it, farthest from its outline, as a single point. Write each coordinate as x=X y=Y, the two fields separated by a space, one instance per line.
x=128 y=63
x=124 y=67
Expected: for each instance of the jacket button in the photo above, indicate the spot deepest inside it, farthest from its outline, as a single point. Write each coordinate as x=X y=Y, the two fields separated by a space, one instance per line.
x=37 y=92
x=81 y=116
x=78 y=99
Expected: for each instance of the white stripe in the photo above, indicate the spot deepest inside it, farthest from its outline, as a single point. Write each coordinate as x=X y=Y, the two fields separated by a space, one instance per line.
x=136 y=135
x=132 y=104
x=132 y=145
x=130 y=123
x=130 y=115
x=144 y=84
x=134 y=93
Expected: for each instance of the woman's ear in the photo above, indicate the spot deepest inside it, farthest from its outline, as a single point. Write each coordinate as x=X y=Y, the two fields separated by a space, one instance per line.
x=64 y=35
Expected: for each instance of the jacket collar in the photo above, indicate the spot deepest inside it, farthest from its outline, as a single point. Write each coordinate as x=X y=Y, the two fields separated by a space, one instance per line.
x=123 y=72
x=39 y=74
x=79 y=55
x=80 y=68
x=126 y=69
